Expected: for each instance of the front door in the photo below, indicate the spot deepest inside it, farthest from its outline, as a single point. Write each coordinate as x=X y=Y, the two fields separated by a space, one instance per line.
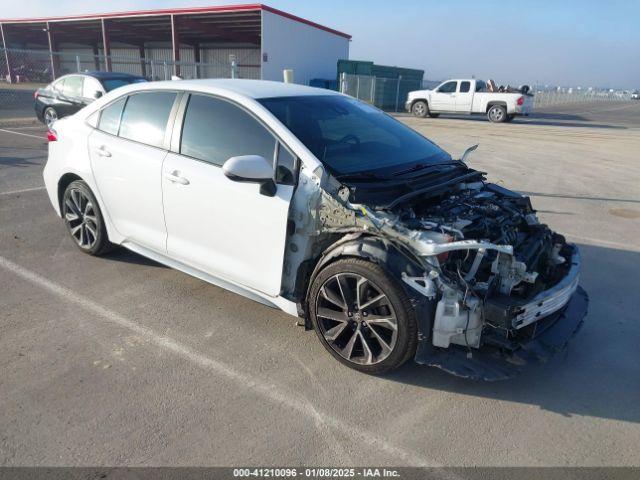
x=443 y=98
x=224 y=228
x=127 y=151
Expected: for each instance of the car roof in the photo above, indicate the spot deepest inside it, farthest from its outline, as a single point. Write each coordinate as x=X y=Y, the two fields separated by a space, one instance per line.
x=247 y=88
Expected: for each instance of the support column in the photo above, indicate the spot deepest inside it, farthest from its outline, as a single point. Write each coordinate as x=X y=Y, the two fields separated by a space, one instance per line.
x=175 y=43
x=106 y=44
x=196 y=58
x=6 y=55
x=143 y=60
x=55 y=60
x=96 y=58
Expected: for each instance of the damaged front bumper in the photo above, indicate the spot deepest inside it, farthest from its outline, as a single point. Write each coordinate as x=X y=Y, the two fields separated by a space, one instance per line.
x=494 y=363
x=552 y=318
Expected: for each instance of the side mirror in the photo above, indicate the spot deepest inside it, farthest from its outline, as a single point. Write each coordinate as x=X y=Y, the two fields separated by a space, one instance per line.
x=97 y=95
x=251 y=169
x=468 y=152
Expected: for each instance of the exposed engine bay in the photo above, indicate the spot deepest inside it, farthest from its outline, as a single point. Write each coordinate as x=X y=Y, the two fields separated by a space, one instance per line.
x=491 y=277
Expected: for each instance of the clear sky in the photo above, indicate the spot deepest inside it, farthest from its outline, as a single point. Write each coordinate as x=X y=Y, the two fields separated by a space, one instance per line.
x=579 y=43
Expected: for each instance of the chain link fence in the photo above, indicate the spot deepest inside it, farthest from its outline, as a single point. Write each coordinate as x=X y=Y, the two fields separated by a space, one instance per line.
x=567 y=96
x=23 y=71
x=391 y=93
x=385 y=93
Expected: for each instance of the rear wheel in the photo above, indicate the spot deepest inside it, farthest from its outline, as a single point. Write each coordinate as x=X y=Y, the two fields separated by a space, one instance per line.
x=84 y=219
x=420 y=109
x=497 y=114
x=362 y=316
x=50 y=116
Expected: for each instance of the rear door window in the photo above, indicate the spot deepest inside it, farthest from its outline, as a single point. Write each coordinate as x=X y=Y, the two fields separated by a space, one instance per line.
x=91 y=88
x=145 y=117
x=465 y=87
x=73 y=86
x=215 y=130
x=110 y=117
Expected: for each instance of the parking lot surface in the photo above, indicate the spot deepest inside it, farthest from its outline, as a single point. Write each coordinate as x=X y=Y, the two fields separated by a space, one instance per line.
x=121 y=361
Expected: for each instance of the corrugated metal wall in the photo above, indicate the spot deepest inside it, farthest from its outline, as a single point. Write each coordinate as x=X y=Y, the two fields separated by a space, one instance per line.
x=214 y=61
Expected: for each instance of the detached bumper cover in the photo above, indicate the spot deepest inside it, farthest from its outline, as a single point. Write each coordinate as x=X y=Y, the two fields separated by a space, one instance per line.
x=492 y=363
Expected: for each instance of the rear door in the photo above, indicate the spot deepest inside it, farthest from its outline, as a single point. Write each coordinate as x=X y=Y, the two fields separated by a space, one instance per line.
x=127 y=151
x=464 y=97
x=444 y=97
x=91 y=90
x=225 y=228
x=71 y=97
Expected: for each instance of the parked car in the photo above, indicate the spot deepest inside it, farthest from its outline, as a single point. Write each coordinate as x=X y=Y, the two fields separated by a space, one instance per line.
x=312 y=202
x=470 y=96
x=70 y=93
x=635 y=95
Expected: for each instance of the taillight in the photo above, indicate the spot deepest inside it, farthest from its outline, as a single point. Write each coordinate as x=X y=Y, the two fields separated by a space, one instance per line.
x=521 y=101
x=52 y=135
x=35 y=95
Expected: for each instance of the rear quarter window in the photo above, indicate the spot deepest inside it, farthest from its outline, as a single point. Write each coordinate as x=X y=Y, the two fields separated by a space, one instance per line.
x=110 y=117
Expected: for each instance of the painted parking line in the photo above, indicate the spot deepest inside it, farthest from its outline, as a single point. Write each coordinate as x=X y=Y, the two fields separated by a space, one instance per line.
x=39 y=137
x=24 y=190
x=266 y=390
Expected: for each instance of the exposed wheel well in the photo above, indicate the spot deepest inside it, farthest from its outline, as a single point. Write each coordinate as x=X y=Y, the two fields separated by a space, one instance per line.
x=365 y=247
x=63 y=183
x=497 y=102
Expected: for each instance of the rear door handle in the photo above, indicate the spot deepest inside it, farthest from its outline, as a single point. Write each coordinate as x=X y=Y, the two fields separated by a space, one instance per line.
x=176 y=178
x=102 y=151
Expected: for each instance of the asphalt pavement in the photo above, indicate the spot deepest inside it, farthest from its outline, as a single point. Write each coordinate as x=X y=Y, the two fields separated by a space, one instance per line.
x=121 y=361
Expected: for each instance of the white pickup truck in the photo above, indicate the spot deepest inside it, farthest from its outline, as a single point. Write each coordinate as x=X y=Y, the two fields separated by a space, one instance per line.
x=470 y=96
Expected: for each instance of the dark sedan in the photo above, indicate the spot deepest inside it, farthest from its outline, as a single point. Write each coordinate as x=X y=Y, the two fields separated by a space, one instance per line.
x=70 y=93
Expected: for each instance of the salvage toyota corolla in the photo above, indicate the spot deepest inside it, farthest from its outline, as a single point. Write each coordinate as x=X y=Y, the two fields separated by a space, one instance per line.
x=327 y=208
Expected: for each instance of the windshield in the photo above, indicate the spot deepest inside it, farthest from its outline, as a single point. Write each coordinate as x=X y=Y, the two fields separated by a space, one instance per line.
x=113 y=83
x=350 y=136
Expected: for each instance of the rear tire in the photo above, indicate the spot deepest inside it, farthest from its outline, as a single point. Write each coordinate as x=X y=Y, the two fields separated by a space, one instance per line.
x=497 y=114
x=362 y=316
x=420 y=109
x=49 y=116
x=84 y=219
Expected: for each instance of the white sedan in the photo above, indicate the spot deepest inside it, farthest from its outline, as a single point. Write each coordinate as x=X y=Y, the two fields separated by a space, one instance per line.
x=312 y=202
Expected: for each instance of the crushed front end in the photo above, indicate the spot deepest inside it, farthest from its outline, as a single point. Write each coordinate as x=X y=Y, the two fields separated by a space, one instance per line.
x=501 y=289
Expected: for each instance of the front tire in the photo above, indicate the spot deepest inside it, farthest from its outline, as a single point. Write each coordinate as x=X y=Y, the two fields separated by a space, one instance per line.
x=362 y=316
x=497 y=114
x=420 y=109
x=84 y=219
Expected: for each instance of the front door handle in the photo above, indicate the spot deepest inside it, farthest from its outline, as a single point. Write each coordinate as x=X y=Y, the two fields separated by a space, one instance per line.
x=176 y=178
x=102 y=151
